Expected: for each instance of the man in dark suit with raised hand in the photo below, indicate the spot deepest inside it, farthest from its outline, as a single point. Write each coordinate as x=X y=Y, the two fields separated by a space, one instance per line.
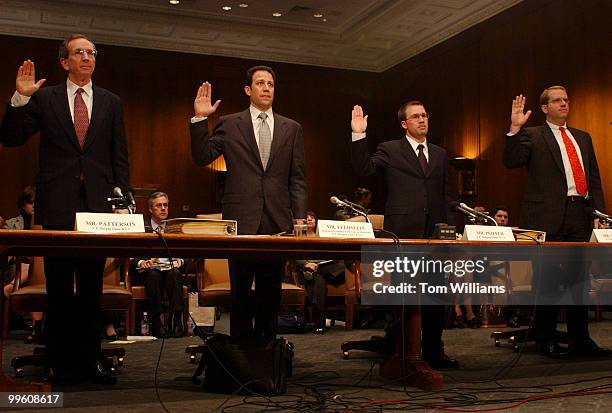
x=418 y=196
x=82 y=157
x=563 y=186
x=265 y=188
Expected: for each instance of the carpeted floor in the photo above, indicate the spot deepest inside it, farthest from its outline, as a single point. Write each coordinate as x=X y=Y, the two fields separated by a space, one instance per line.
x=489 y=378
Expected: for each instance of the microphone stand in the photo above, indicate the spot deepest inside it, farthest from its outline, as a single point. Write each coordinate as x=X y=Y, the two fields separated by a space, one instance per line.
x=353 y=207
x=482 y=220
x=360 y=212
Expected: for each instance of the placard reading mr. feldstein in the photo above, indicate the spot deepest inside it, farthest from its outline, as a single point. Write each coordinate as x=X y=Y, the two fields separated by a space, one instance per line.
x=344 y=229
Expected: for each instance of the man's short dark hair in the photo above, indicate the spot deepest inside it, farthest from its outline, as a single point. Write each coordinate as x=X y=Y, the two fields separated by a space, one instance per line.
x=28 y=195
x=251 y=71
x=401 y=112
x=63 y=51
x=361 y=193
x=501 y=208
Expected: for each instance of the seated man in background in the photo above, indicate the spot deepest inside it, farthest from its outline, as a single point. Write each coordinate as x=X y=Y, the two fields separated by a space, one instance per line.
x=362 y=198
x=160 y=275
x=501 y=216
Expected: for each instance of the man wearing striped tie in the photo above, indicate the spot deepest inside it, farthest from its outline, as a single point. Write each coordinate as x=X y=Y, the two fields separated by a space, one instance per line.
x=563 y=187
x=83 y=155
x=265 y=188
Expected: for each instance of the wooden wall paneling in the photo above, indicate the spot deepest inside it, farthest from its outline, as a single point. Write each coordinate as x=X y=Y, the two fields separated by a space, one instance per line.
x=467 y=82
x=523 y=50
x=157 y=90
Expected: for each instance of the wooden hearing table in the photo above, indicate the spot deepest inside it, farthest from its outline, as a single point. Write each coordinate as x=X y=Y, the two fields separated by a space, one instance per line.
x=405 y=362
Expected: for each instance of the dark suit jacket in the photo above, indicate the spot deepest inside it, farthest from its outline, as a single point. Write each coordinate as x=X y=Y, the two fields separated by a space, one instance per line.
x=279 y=191
x=544 y=202
x=411 y=194
x=103 y=161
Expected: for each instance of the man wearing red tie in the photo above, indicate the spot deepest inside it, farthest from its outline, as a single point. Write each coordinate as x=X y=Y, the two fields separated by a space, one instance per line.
x=563 y=187
x=83 y=155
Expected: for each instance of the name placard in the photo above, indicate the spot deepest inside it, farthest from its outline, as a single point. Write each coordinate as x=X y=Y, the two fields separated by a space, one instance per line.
x=601 y=235
x=99 y=223
x=344 y=229
x=487 y=233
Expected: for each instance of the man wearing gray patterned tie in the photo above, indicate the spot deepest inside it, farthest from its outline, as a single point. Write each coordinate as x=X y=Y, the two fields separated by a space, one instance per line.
x=265 y=188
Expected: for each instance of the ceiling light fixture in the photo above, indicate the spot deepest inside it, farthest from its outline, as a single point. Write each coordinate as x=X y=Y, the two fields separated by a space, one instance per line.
x=277 y=14
x=174 y=1
x=243 y=5
x=318 y=15
x=226 y=8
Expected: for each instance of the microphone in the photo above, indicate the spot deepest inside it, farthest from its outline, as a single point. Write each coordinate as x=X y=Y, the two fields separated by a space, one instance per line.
x=600 y=215
x=130 y=198
x=120 y=201
x=461 y=207
x=337 y=201
x=346 y=204
x=130 y=201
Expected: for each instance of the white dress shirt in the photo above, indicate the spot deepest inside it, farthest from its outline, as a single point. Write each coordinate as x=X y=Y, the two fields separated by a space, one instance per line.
x=355 y=136
x=414 y=143
x=569 y=175
x=257 y=122
x=254 y=120
x=19 y=100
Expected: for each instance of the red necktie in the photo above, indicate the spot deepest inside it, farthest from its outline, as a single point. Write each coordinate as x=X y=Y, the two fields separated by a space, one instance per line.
x=577 y=171
x=81 y=117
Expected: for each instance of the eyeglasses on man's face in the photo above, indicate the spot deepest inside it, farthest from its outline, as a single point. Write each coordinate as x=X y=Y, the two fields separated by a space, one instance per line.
x=93 y=53
x=418 y=116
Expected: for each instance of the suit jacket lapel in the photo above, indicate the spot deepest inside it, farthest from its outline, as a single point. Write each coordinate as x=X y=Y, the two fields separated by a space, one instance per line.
x=551 y=141
x=433 y=159
x=100 y=106
x=62 y=111
x=408 y=153
x=279 y=137
x=245 y=125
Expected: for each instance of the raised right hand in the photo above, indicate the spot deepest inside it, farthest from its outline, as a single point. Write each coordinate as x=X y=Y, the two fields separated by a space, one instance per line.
x=517 y=117
x=202 y=104
x=359 y=123
x=26 y=75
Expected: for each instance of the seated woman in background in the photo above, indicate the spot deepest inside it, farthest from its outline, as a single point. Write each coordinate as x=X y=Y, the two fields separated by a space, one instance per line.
x=20 y=265
x=314 y=275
